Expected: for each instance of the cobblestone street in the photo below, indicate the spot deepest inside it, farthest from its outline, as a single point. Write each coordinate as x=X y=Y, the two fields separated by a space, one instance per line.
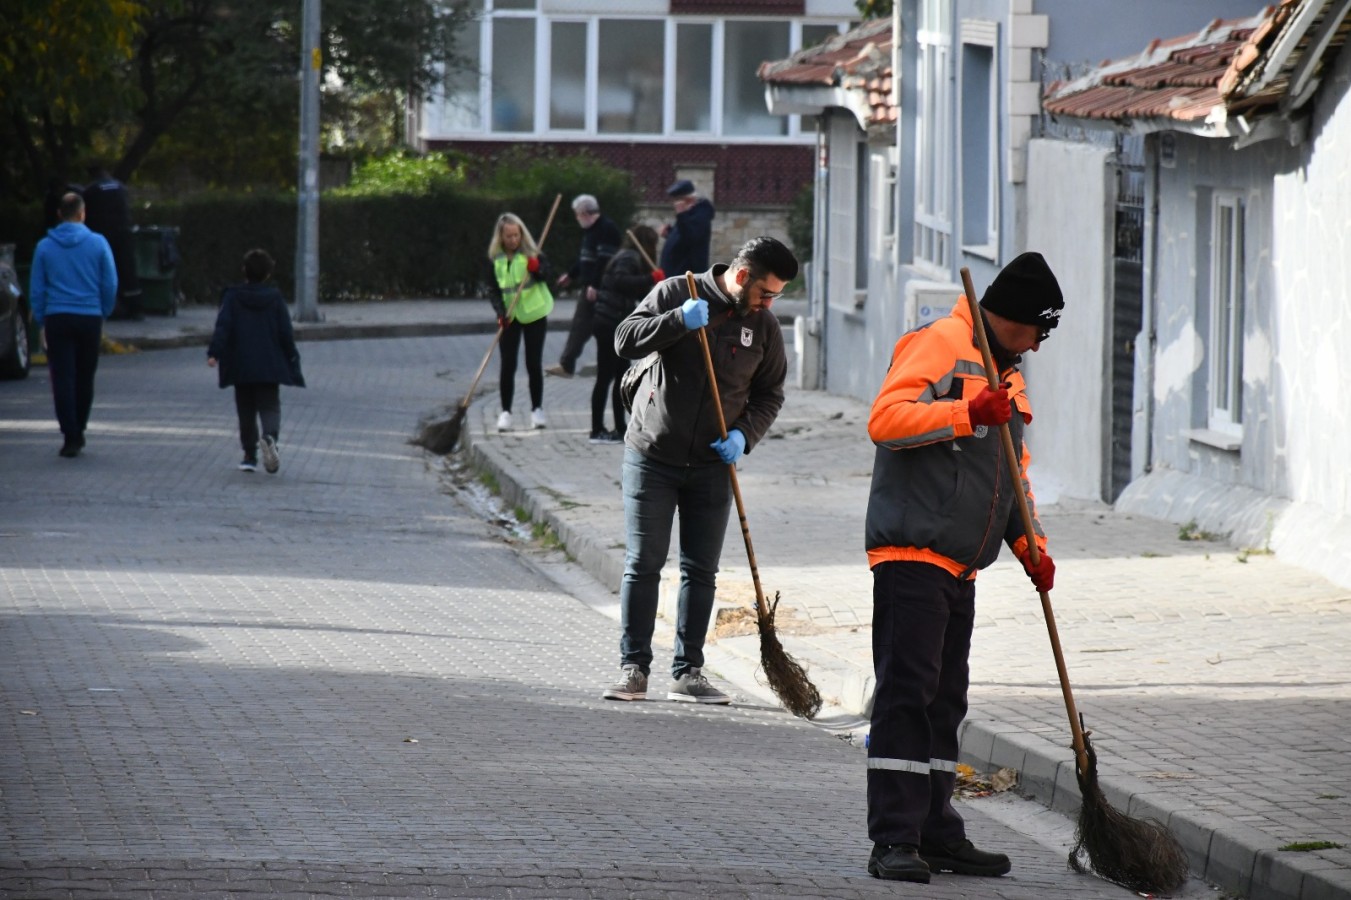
x=342 y=681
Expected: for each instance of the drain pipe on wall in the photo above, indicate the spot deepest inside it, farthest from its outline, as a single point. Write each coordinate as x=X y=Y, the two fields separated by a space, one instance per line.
x=821 y=244
x=1149 y=331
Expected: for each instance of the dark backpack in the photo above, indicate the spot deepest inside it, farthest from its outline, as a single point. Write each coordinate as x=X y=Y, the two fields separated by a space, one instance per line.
x=628 y=382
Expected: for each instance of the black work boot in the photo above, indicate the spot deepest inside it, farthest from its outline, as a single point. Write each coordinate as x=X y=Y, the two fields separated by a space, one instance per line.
x=963 y=858
x=898 y=862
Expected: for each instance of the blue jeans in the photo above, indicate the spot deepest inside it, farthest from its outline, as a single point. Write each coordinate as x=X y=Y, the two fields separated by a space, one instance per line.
x=653 y=492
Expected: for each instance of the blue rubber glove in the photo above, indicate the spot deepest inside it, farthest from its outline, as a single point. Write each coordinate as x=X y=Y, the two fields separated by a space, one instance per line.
x=695 y=312
x=731 y=449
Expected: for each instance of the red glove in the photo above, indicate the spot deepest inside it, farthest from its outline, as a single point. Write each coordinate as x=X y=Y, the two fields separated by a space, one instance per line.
x=990 y=407
x=532 y=264
x=502 y=322
x=658 y=276
x=1042 y=574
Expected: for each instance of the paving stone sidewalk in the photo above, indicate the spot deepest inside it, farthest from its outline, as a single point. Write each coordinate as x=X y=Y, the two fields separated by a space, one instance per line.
x=1215 y=679
x=339 y=681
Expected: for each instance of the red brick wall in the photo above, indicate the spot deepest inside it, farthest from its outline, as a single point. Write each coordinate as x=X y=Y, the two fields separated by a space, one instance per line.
x=744 y=174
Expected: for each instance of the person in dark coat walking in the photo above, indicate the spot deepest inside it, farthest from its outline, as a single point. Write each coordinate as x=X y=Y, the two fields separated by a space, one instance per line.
x=688 y=240
x=627 y=279
x=600 y=241
x=255 y=349
x=108 y=212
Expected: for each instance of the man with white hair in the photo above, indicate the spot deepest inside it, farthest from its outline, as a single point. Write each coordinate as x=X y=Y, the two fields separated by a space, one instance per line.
x=600 y=241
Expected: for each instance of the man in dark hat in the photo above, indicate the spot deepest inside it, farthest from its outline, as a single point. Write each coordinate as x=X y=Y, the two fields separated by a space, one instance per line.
x=108 y=212
x=940 y=504
x=687 y=241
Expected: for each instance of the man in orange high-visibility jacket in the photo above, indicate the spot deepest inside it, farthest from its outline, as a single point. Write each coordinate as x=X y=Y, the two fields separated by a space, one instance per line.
x=941 y=502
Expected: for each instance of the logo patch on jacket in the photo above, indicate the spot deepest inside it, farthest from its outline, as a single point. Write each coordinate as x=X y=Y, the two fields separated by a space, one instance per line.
x=980 y=431
x=746 y=336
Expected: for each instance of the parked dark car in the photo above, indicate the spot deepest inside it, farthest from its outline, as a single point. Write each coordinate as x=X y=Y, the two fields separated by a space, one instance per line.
x=13 y=324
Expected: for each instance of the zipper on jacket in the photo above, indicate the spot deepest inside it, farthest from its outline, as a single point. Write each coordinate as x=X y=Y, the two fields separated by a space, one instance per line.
x=989 y=519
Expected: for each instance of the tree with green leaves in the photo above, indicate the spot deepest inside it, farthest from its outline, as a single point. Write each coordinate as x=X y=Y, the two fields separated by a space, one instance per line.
x=62 y=79
x=207 y=86
x=874 y=9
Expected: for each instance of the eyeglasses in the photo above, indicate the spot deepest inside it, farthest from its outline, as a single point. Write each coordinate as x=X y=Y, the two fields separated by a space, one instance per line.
x=1043 y=335
x=767 y=296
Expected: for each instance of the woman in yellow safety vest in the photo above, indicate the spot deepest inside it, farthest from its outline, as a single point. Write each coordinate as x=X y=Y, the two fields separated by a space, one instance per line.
x=519 y=290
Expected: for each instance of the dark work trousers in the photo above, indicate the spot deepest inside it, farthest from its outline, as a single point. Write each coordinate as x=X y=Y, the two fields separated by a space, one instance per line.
x=579 y=332
x=922 y=620
x=534 y=334
x=254 y=402
x=72 y=359
x=609 y=367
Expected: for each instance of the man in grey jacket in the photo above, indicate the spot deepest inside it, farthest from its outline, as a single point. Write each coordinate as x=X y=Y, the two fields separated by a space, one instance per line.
x=675 y=457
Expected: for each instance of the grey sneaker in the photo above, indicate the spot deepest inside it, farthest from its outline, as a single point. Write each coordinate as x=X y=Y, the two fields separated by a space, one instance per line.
x=632 y=685
x=693 y=687
x=271 y=457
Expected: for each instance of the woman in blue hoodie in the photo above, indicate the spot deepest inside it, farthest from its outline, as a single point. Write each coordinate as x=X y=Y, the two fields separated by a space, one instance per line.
x=255 y=348
x=72 y=289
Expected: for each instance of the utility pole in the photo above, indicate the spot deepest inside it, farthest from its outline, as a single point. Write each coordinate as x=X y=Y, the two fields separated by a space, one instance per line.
x=307 y=188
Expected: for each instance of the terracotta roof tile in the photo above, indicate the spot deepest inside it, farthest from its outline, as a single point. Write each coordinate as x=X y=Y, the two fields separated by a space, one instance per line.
x=1189 y=78
x=858 y=60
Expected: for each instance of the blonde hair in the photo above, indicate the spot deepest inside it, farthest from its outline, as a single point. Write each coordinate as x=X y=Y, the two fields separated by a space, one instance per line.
x=528 y=246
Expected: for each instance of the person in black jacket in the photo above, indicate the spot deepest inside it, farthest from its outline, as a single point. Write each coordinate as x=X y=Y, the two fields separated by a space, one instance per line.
x=675 y=457
x=600 y=241
x=687 y=241
x=627 y=279
x=255 y=349
x=108 y=212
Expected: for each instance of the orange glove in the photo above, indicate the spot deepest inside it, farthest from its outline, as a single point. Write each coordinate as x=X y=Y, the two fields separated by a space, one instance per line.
x=1042 y=574
x=990 y=407
x=658 y=276
x=532 y=264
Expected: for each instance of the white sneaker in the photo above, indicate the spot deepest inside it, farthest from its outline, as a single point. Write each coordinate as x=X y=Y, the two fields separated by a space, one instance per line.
x=538 y=419
x=504 y=421
x=271 y=455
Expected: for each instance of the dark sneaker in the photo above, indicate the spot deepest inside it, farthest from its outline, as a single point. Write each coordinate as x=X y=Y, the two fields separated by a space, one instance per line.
x=248 y=465
x=271 y=457
x=962 y=858
x=611 y=437
x=69 y=450
x=693 y=687
x=597 y=437
x=898 y=862
x=632 y=685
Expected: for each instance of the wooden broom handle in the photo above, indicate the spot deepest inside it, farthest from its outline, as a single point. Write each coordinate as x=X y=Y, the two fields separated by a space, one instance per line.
x=1015 y=471
x=646 y=258
x=473 y=385
x=762 y=607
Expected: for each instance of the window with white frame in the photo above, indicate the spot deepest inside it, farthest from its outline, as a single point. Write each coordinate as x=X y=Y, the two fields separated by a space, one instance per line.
x=640 y=76
x=980 y=139
x=933 y=138
x=1227 y=276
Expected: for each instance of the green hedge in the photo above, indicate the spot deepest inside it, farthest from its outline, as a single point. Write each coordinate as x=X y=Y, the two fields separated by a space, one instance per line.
x=370 y=247
x=428 y=245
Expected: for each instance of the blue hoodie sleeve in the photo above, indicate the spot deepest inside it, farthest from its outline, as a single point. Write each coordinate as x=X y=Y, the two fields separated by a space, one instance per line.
x=107 y=278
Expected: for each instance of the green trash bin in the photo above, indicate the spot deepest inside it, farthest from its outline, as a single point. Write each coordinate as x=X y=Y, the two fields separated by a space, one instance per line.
x=157 y=267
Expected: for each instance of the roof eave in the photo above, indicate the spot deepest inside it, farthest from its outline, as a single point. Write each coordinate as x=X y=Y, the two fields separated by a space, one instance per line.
x=1242 y=131
x=812 y=100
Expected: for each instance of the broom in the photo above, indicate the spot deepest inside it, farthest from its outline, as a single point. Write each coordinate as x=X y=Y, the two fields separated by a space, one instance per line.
x=787 y=679
x=441 y=437
x=1142 y=855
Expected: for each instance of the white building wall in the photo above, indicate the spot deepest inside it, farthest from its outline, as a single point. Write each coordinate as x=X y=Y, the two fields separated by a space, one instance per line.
x=1288 y=489
x=1070 y=199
